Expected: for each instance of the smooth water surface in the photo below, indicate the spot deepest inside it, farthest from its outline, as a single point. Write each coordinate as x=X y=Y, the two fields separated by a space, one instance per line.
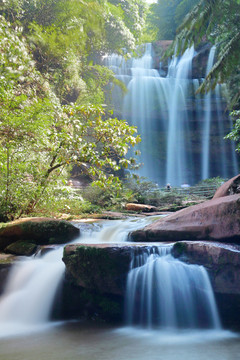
x=74 y=341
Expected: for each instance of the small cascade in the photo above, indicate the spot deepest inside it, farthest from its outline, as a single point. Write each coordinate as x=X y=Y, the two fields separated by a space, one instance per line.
x=163 y=292
x=181 y=131
x=27 y=300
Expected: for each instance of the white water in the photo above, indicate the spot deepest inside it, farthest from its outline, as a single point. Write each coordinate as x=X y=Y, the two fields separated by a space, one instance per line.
x=181 y=131
x=207 y=120
x=166 y=293
x=172 y=294
x=27 y=300
x=26 y=303
x=179 y=159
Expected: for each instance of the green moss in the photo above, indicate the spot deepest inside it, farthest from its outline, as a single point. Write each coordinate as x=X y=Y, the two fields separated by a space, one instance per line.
x=50 y=231
x=102 y=269
x=21 y=248
x=104 y=307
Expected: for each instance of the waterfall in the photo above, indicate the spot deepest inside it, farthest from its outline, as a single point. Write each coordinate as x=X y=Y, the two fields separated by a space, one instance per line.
x=207 y=121
x=27 y=300
x=179 y=160
x=164 y=292
x=28 y=297
x=181 y=131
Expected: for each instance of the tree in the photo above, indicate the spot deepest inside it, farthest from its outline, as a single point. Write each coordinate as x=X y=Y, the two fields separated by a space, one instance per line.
x=41 y=139
x=165 y=16
x=68 y=37
x=218 y=22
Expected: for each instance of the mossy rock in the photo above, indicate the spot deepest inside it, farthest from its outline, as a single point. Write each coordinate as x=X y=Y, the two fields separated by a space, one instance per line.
x=38 y=231
x=98 y=267
x=21 y=248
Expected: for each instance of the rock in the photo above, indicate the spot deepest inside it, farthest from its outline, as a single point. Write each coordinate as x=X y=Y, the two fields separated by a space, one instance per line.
x=221 y=260
x=96 y=275
x=39 y=231
x=230 y=187
x=140 y=207
x=6 y=262
x=217 y=219
x=99 y=267
x=21 y=248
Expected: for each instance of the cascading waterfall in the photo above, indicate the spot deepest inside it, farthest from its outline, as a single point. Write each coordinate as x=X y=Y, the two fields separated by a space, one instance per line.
x=164 y=292
x=179 y=160
x=28 y=297
x=182 y=132
x=207 y=121
x=161 y=291
x=27 y=301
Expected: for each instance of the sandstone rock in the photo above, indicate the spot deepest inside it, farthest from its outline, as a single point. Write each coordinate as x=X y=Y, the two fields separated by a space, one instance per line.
x=230 y=187
x=216 y=219
x=221 y=260
x=140 y=207
x=38 y=231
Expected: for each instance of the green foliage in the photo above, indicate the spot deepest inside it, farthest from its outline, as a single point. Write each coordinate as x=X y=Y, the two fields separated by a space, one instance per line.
x=41 y=139
x=146 y=192
x=67 y=38
x=165 y=16
x=235 y=133
x=108 y=198
x=216 y=182
x=216 y=21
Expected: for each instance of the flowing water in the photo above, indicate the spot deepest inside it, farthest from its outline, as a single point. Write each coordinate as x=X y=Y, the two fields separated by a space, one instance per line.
x=166 y=293
x=182 y=132
x=171 y=293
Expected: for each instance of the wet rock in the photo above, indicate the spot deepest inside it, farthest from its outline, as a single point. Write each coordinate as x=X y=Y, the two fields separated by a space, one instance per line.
x=6 y=262
x=230 y=187
x=39 y=231
x=96 y=274
x=221 y=260
x=217 y=219
x=21 y=248
x=140 y=207
x=99 y=267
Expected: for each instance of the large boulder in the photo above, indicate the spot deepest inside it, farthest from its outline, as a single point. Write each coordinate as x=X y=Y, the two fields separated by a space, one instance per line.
x=38 y=231
x=99 y=267
x=216 y=219
x=230 y=187
x=221 y=260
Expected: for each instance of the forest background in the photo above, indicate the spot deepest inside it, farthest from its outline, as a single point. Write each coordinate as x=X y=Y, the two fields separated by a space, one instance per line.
x=55 y=97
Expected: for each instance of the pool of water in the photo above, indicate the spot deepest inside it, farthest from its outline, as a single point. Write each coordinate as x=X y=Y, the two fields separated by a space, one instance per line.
x=74 y=340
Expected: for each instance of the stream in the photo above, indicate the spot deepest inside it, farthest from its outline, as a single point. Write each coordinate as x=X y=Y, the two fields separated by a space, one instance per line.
x=26 y=332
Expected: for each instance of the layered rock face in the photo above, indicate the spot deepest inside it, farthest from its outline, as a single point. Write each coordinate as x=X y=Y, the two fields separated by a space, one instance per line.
x=217 y=219
x=221 y=260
